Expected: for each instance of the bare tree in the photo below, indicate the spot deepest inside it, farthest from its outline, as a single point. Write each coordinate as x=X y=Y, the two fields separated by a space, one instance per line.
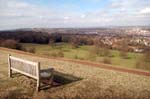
x=144 y=61
x=75 y=42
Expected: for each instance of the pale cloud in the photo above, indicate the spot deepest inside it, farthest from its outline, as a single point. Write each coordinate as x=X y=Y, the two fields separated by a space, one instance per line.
x=18 y=5
x=145 y=11
x=21 y=14
x=66 y=18
x=83 y=16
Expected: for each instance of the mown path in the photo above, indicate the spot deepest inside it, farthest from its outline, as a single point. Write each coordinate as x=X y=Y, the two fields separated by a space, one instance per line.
x=104 y=66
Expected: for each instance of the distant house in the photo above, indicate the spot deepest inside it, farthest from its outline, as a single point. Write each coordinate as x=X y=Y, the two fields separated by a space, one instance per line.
x=138 y=50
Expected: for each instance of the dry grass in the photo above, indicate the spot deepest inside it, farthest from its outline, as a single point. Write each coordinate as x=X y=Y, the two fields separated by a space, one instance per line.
x=97 y=83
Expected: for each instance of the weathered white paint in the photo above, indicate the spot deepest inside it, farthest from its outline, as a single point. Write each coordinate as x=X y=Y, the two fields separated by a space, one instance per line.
x=28 y=68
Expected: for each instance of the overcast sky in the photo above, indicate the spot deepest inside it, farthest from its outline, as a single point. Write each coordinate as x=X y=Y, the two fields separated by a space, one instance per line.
x=73 y=13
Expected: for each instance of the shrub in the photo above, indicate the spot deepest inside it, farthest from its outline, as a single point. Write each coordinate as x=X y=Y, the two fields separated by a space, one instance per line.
x=124 y=54
x=106 y=60
x=32 y=50
x=143 y=65
x=53 y=54
x=144 y=61
x=99 y=43
x=104 y=52
x=93 y=50
x=76 y=56
x=57 y=54
x=1 y=40
x=46 y=54
x=100 y=51
x=11 y=44
x=60 y=54
x=74 y=42
x=23 y=49
x=51 y=42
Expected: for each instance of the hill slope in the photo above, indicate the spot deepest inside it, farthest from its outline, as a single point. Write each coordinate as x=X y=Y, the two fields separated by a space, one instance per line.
x=94 y=83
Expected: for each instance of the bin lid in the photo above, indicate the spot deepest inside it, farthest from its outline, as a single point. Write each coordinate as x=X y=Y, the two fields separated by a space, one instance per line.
x=45 y=74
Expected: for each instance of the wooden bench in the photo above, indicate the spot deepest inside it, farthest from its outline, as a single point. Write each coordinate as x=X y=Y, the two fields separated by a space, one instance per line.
x=28 y=68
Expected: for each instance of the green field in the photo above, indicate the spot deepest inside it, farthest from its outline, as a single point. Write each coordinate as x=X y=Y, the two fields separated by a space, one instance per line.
x=83 y=53
x=94 y=82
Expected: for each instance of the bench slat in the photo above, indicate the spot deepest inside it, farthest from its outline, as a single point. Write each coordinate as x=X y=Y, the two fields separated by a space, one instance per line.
x=27 y=74
x=24 y=61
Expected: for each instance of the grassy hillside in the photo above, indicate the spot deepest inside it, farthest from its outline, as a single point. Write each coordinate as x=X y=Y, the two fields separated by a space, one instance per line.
x=84 y=53
x=94 y=83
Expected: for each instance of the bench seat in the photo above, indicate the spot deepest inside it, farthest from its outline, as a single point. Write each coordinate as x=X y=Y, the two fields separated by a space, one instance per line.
x=31 y=69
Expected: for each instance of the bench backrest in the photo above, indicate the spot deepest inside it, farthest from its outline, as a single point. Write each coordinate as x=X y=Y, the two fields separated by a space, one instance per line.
x=28 y=68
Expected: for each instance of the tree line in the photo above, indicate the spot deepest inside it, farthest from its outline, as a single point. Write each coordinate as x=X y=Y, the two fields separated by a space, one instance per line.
x=43 y=38
x=25 y=36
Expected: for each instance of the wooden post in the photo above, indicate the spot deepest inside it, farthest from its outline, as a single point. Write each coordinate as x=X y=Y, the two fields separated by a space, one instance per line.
x=38 y=76
x=9 y=66
x=52 y=76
